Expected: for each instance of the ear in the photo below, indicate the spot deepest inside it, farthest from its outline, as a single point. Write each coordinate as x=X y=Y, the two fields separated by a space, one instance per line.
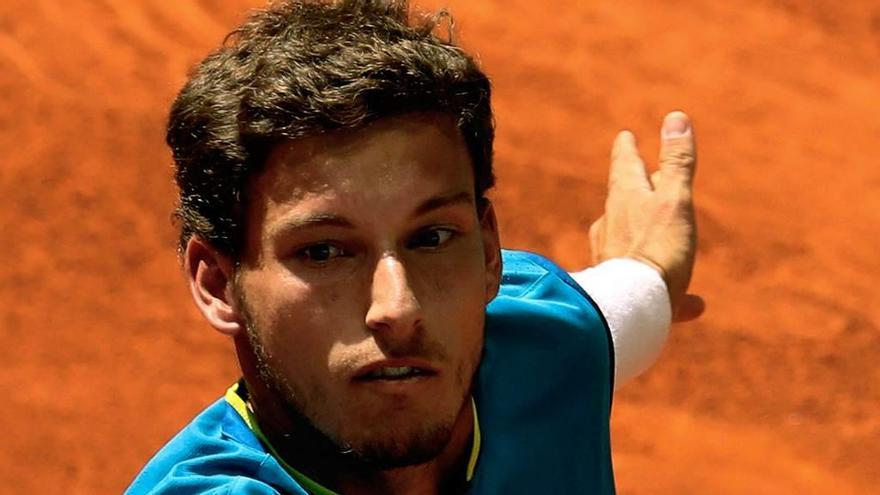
x=491 y=250
x=210 y=277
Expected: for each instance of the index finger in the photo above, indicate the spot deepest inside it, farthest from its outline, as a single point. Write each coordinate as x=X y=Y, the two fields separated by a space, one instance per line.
x=627 y=167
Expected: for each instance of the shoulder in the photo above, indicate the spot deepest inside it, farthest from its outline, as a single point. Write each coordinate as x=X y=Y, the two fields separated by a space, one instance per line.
x=541 y=315
x=215 y=453
x=537 y=296
x=530 y=276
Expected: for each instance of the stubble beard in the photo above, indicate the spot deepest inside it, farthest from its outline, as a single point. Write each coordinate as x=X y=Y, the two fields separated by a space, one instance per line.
x=390 y=450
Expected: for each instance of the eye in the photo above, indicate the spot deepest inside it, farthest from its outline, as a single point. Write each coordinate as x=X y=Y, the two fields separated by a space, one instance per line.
x=431 y=238
x=321 y=253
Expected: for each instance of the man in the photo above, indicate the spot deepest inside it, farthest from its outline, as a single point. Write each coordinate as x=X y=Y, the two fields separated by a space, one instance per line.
x=333 y=160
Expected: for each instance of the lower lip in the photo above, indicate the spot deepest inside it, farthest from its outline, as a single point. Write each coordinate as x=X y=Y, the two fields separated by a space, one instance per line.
x=395 y=385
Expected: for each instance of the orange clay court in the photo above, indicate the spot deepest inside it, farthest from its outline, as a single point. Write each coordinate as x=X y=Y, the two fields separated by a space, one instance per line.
x=773 y=391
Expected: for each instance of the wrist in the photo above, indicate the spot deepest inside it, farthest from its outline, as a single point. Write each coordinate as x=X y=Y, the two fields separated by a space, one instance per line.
x=634 y=299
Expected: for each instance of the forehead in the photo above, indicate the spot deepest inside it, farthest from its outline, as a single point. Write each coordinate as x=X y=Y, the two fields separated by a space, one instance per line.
x=410 y=153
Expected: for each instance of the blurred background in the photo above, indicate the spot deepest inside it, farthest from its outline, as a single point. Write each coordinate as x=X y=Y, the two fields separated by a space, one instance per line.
x=774 y=391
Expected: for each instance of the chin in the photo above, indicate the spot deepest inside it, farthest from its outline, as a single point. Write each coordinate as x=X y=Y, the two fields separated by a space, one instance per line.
x=366 y=441
x=392 y=448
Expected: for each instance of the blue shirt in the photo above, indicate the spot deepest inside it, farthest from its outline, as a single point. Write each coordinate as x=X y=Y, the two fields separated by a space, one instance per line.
x=543 y=392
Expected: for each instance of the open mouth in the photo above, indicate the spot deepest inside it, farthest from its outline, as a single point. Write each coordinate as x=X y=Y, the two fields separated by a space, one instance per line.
x=394 y=373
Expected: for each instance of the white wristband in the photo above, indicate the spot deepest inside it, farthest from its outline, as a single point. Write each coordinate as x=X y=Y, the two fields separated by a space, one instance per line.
x=635 y=302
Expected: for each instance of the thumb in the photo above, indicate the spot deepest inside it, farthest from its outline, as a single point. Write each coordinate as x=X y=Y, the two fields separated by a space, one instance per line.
x=678 y=151
x=690 y=308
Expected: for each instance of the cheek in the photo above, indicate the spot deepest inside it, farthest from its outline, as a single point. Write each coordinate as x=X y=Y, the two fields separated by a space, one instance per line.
x=298 y=324
x=457 y=297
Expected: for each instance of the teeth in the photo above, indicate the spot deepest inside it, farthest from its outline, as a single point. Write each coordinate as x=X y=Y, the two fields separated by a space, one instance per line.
x=392 y=372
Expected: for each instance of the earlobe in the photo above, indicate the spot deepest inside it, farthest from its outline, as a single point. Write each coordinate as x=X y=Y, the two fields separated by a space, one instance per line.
x=209 y=275
x=491 y=250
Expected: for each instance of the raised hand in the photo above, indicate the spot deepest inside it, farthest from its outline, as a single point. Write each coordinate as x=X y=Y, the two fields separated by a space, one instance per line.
x=652 y=219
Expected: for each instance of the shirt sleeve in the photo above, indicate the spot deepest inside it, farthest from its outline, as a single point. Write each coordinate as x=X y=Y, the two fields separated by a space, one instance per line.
x=635 y=302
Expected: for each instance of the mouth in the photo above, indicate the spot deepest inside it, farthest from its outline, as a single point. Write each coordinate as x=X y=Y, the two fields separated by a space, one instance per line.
x=394 y=371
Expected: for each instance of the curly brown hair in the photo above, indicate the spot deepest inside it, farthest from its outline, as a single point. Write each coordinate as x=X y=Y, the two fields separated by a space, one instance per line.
x=304 y=67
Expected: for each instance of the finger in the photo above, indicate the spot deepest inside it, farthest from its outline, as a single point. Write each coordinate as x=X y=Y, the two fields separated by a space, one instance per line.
x=690 y=308
x=627 y=167
x=678 y=152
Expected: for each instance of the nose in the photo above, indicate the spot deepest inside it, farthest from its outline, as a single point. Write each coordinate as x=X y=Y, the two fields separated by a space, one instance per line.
x=394 y=307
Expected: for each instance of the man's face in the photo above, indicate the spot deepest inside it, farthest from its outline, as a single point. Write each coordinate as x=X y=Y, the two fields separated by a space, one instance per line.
x=364 y=281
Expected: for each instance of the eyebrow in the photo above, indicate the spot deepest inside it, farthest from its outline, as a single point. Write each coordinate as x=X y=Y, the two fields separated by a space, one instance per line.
x=441 y=201
x=333 y=220
x=316 y=220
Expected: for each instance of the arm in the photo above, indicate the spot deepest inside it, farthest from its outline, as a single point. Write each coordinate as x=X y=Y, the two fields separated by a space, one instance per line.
x=645 y=245
x=634 y=301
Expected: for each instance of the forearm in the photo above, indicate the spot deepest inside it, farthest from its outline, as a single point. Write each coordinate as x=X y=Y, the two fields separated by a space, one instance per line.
x=635 y=302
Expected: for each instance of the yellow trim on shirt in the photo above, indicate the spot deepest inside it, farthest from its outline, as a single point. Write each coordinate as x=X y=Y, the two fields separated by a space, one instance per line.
x=247 y=415
x=238 y=404
x=475 y=446
x=309 y=484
